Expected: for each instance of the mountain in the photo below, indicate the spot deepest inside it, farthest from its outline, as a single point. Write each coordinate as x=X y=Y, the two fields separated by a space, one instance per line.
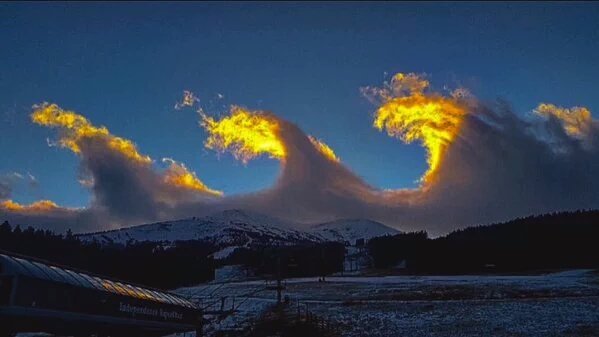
x=349 y=230
x=237 y=228
x=223 y=229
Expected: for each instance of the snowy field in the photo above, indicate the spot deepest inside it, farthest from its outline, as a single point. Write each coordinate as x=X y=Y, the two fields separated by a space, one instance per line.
x=558 y=304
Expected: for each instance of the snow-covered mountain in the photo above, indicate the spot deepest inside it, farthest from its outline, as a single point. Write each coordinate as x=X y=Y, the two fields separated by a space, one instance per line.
x=350 y=230
x=227 y=228
x=237 y=228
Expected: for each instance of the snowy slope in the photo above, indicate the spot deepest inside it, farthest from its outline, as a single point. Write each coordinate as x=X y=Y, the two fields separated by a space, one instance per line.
x=349 y=230
x=237 y=228
x=227 y=228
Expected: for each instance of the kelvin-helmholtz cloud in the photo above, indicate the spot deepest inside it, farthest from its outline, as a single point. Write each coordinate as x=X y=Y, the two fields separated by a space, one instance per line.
x=485 y=163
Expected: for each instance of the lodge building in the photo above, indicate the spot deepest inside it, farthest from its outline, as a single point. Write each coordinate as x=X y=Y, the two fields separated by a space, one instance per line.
x=37 y=296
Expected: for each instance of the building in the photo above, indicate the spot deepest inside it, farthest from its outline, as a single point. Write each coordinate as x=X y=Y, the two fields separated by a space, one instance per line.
x=40 y=297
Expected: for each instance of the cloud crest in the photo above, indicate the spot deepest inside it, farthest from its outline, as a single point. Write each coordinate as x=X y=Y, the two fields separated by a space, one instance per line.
x=411 y=112
x=485 y=164
x=125 y=186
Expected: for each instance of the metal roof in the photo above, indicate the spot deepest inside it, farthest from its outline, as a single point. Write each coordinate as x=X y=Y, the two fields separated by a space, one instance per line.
x=63 y=275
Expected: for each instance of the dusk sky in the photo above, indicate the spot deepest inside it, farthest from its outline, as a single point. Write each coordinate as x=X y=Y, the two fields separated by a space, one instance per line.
x=125 y=66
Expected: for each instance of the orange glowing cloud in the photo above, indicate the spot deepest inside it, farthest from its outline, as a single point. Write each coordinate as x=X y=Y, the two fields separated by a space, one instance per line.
x=76 y=128
x=178 y=175
x=576 y=121
x=324 y=149
x=407 y=111
x=247 y=134
x=41 y=206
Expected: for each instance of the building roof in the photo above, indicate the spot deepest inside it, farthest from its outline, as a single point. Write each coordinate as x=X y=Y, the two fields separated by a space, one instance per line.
x=63 y=275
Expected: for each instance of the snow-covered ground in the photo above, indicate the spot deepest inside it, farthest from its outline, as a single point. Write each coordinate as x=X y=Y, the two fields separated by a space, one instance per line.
x=237 y=228
x=557 y=304
x=350 y=230
x=223 y=229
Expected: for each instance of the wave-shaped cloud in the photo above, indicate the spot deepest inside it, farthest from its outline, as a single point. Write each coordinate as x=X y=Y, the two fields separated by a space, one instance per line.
x=485 y=164
x=125 y=186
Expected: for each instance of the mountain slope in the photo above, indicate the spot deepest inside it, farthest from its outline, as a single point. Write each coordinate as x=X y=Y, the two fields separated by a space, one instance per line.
x=223 y=229
x=349 y=230
x=236 y=228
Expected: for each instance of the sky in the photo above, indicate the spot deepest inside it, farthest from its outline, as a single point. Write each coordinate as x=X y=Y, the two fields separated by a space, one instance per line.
x=125 y=65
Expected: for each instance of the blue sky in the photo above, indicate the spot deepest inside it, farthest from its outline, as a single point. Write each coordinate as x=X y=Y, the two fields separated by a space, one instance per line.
x=125 y=65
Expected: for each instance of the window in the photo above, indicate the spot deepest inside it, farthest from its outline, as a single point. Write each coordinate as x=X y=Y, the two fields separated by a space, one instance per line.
x=83 y=281
x=133 y=291
x=189 y=304
x=42 y=268
x=94 y=282
x=147 y=294
x=107 y=285
x=54 y=275
x=68 y=278
x=173 y=299
x=19 y=268
x=119 y=288
x=32 y=269
x=160 y=297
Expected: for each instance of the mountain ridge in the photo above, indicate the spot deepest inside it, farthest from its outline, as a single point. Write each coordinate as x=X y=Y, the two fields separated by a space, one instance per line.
x=242 y=228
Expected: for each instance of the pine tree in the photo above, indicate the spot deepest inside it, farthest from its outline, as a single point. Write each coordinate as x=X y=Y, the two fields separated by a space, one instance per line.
x=5 y=228
x=69 y=235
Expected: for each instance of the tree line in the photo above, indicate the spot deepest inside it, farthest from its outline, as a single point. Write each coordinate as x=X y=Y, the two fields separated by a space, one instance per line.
x=300 y=260
x=543 y=242
x=178 y=264
x=146 y=263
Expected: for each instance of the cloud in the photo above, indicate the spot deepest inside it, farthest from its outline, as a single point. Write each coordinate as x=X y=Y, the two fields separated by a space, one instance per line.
x=5 y=189
x=13 y=209
x=188 y=100
x=245 y=134
x=32 y=180
x=125 y=186
x=312 y=184
x=499 y=168
x=178 y=175
x=409 y=112
x=47 y=214
x=577 y=122
x=41 y=206
x=324 y=148
x=76 y=131
x=7 y=183
x=486 y=163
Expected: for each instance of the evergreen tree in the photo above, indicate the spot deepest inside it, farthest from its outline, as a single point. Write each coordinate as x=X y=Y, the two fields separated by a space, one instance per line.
x=5 y=228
